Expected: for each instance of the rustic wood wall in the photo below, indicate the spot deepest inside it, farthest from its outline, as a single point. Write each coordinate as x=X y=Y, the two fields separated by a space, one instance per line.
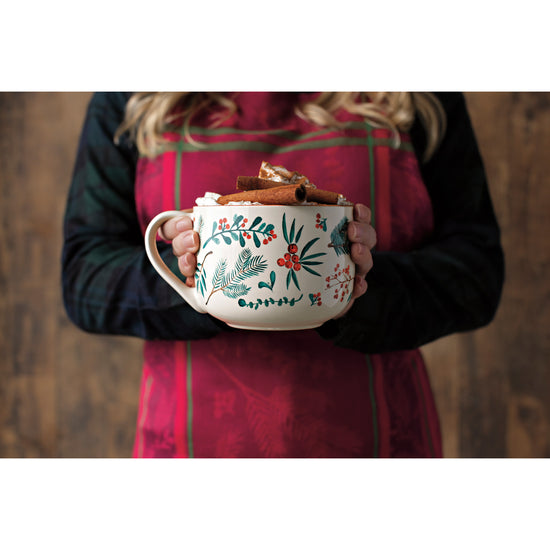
x=64 y=393
x=493 y=385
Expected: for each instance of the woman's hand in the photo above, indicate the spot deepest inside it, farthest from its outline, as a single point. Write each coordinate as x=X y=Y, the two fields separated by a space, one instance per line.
x=362 y=237
x=185 y=244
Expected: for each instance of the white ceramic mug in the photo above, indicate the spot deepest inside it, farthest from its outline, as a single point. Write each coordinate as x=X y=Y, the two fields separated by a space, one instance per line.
x=265 y=267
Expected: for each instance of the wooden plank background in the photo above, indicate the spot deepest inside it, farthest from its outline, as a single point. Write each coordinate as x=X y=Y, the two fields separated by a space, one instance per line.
x=65 y=393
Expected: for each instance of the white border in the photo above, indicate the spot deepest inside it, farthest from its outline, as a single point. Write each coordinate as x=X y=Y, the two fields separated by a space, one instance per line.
x=264 y=504
x=469 y=46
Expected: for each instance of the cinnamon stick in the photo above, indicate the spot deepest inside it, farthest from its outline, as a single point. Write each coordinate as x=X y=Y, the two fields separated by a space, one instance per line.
x=249 y=183
x=313 y=194
x=283 y=194
x=319 y=195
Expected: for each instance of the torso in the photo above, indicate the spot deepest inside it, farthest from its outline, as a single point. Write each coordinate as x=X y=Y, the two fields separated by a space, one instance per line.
x=287 y=394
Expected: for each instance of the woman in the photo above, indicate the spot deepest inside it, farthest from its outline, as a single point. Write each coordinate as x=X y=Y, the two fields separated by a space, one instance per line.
x=355 y=387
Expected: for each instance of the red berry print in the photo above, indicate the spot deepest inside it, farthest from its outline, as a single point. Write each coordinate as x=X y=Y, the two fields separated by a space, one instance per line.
x=320 y=223
x=263 y=234
x=290 y=259
x=340 y=282
x=316 y=299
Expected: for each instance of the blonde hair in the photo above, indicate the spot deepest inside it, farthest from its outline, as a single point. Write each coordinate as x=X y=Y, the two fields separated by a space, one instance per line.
x=150 y=114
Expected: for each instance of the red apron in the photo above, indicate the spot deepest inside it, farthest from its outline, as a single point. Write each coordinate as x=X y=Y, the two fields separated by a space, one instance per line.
x=286 y=394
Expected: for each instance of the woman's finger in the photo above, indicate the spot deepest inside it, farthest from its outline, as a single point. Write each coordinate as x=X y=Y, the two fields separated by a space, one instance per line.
x=174 y=226
x=185 y=242
x=362 y=232
x=362 y=213
x=362 y=258
x=362 y=237
x=359 y=287
x=187 y=264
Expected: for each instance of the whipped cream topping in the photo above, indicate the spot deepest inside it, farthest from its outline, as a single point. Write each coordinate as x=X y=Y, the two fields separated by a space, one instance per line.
x=211 y=199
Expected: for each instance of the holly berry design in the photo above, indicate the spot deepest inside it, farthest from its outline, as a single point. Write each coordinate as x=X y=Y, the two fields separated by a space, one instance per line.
x=242 y=231
x=316 y=299
x=290 y=260
x=320 y=223
x=295 y=260
x=340 y=282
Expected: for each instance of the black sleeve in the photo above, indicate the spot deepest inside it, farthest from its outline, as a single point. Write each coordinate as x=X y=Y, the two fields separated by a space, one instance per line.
x=109 y=286
x=454 y=282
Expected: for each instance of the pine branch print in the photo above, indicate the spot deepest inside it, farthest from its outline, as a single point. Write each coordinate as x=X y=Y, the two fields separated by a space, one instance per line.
x=279 y=418
x=231 y=284
x=200 y=225
x=270 y=418
x=339 y=238
x=247 y=266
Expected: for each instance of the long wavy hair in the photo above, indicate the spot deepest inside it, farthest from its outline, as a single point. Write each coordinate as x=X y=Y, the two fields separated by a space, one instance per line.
x=150 y=114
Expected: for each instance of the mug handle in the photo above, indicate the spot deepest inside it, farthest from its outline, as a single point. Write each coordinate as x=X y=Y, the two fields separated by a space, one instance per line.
x=187 y=293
